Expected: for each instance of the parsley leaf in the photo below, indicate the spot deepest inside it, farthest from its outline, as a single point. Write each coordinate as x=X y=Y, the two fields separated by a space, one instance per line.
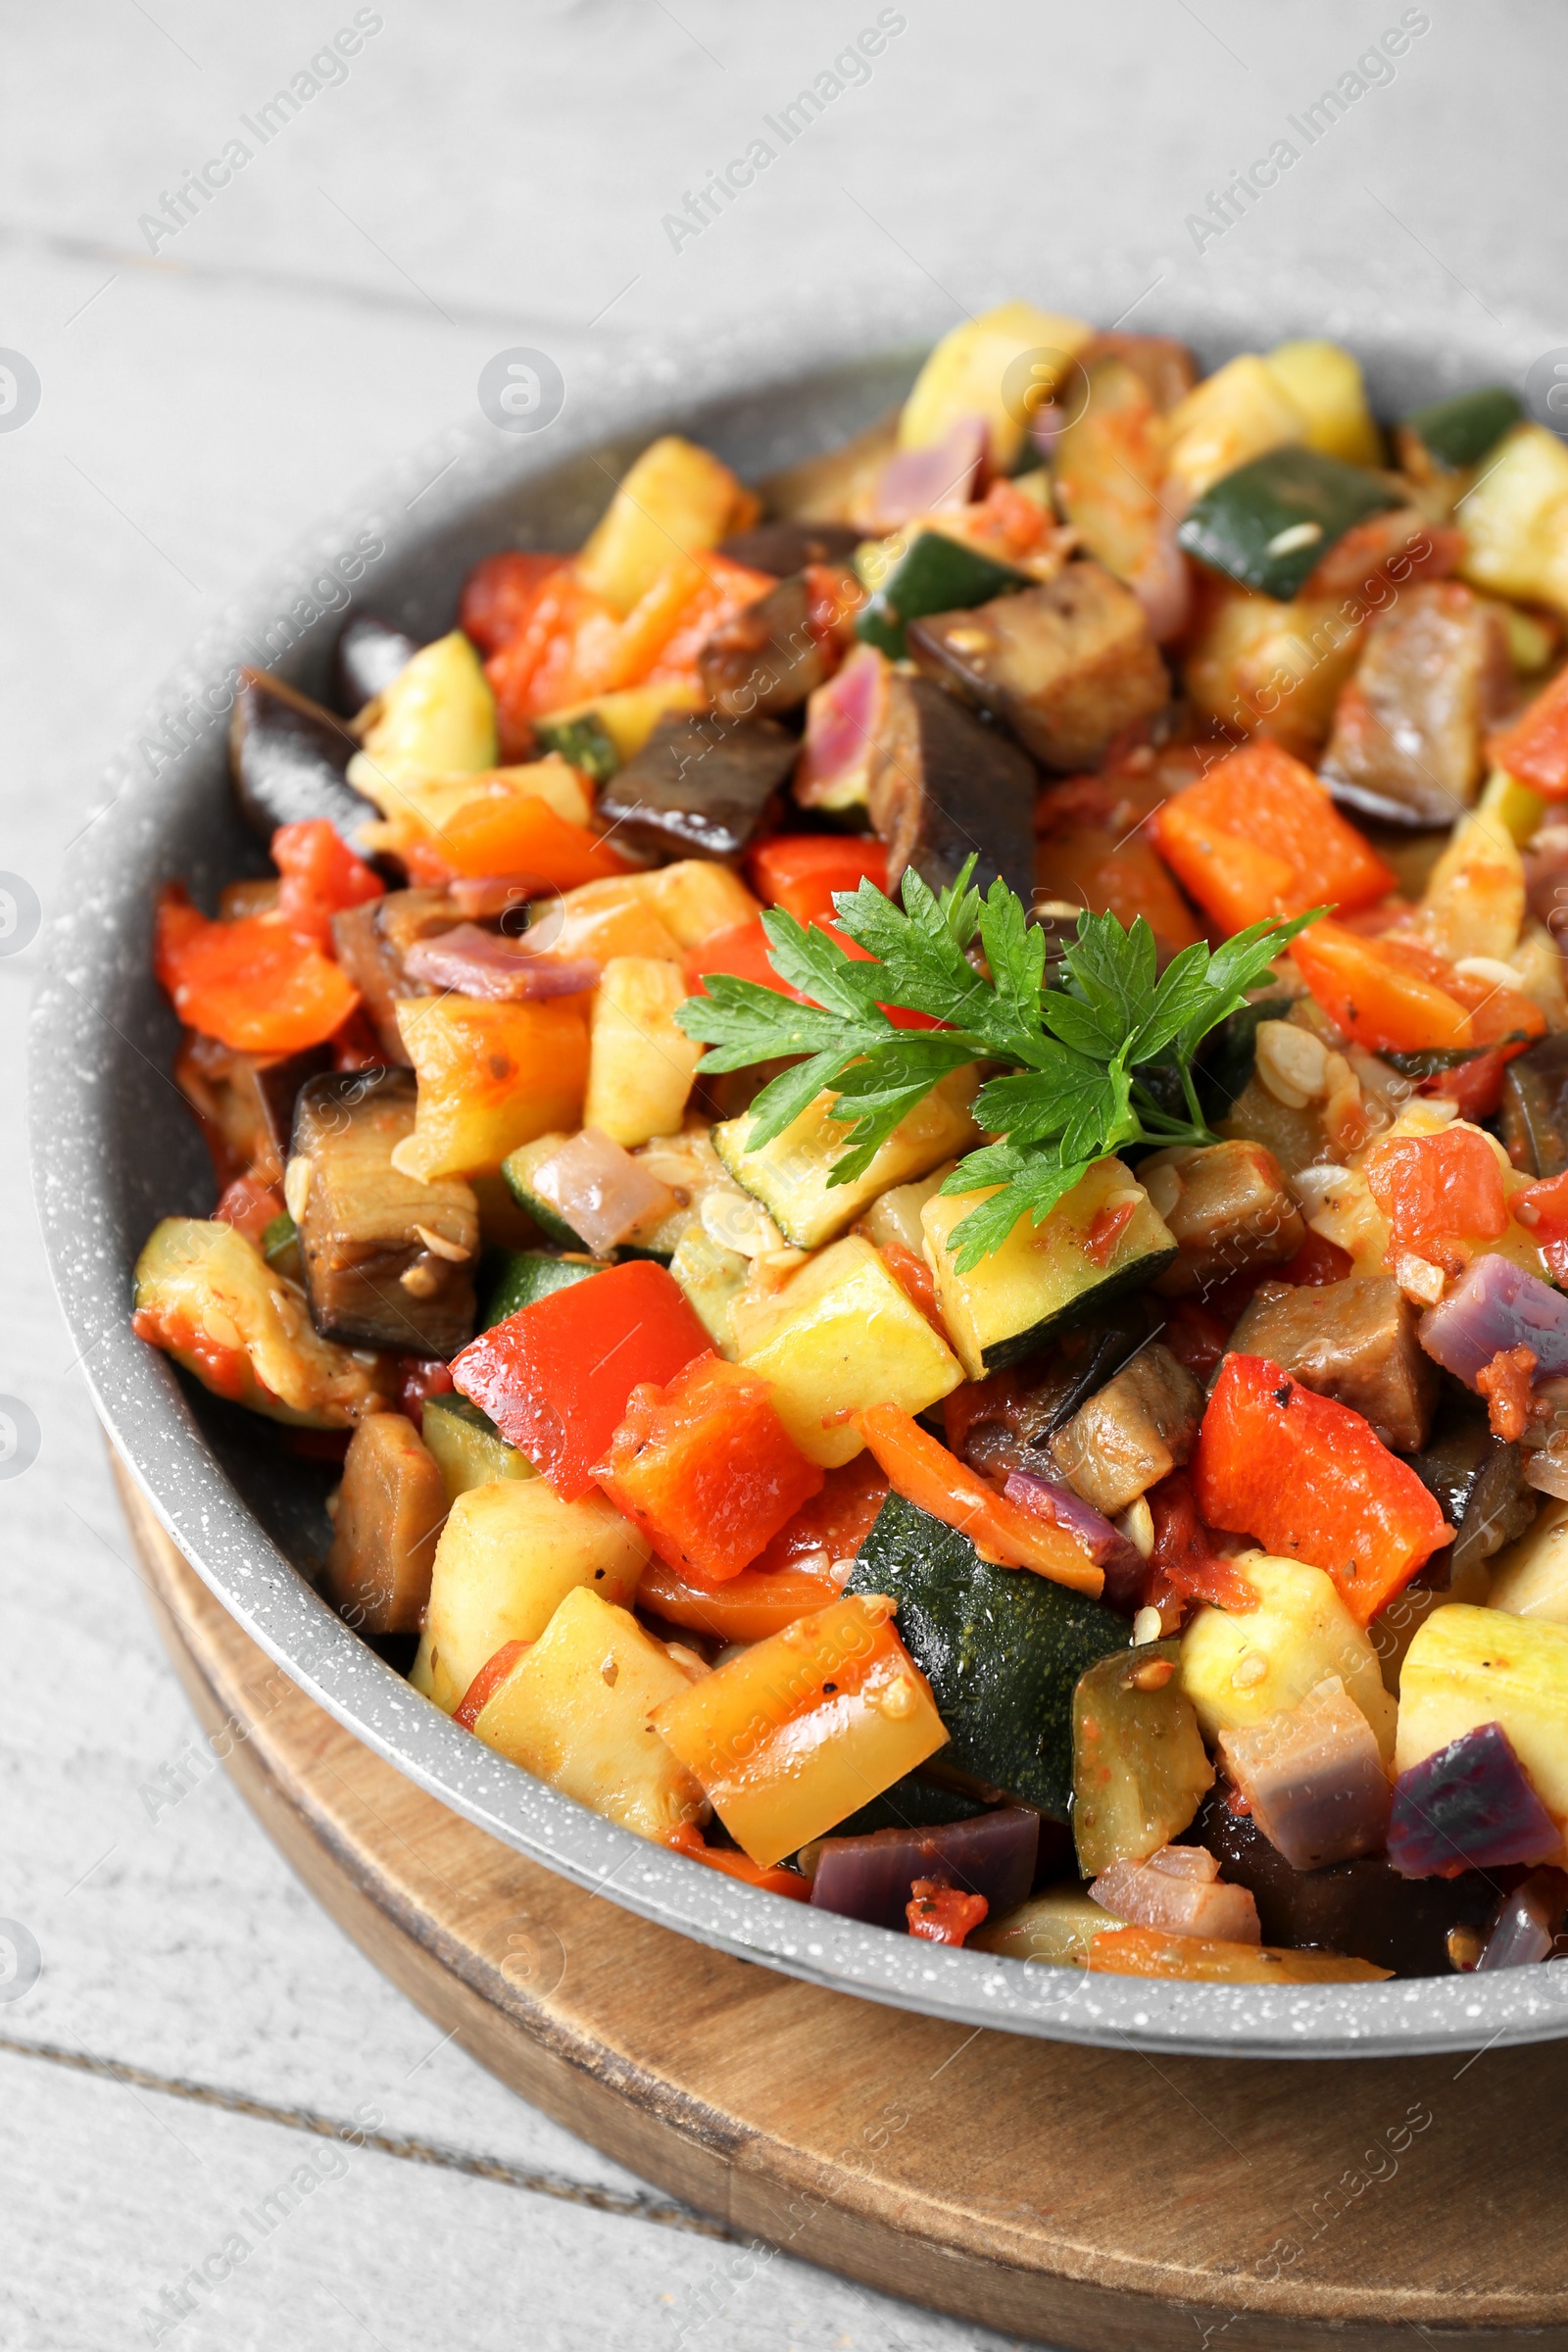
x=1101 y=1059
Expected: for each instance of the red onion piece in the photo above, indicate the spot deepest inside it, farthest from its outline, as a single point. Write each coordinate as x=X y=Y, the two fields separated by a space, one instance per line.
x=601 y=1191
x=478 y=895
x=1180 y=1892
x=919 y=481
x=1314 y=1777
x=869 y=1878
x=481 y=963
x=843 y=721
x=1469 y=1806
x=1108 y=1549
x=1497 y=1307
x=1529 y=1921
x=1164 y=585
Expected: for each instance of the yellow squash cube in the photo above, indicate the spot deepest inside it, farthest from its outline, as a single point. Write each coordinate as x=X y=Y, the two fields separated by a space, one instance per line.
x=1469 y=1666
x=790 y=1176
x=1325 y=382
x=437 y=717
x=1238 y=412
x=1238 y=1670
x=640 y=1064
x=577 y=1711
x=490 y=1077
x=1515 y=519
x=509 y=1554
x=676 y=500
x=805 y=1727
x=839 y=1337
x=968 y=376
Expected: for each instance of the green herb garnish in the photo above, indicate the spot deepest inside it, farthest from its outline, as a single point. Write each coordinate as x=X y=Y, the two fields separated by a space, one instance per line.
x=1075 y=1088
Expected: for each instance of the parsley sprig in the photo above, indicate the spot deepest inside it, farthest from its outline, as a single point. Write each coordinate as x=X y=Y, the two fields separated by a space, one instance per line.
x=1086 y=1065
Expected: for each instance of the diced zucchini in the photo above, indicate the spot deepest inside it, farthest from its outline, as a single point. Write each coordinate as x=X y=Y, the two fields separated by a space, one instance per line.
x=676 y=500
x=838 y=1337
x=386 y=1523
x=696 y=898
x=640 y=1065
x=436 y=718
x=1268 y=668
x=1232 y=416
x=576 y=1709
x=490 y=1077
x=1515 y=520
x=1003 y=1650
x=796 y=1733
x=938 y=575
x=1459 y=432
x=968 y=374
x=712 y=1278
x=210 y=1300
x=1271 y=522
x=1238 y=1670
x=510 y=1554
x=469 y=1449
x=1325 y=382
x=790 y=1175
x=1469 y=1666
x=1042 y=1277
x=622 y=721
x=521 y=1276
x=1138 y=1766
x=1054 y=1928
x=583 y=742
x=1531 y=1577
x=518 y=1171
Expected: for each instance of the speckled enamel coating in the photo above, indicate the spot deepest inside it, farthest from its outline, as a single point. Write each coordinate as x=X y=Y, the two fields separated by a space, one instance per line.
x=115 y=1149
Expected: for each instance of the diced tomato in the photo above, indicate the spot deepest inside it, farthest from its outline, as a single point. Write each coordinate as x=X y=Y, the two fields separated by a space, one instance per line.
x=689 y=1840
x=500 y=596
x=226 y=1371
x=1375 y=993
x=1473 y=1087
x=422 y=1376
x=486 y=1682
x=523 y=834
x=1185 y=1563
x=320 y=877
x=251 y=984
x=917 y=1283
x=1535 y=749
x=1436 y=1187
x=1106 y=1229
x=1508 y=1384
x=941 y=1914
x=1317 y=1262
x=706 y=1469
x=831 y=1527
x=801 y=871
x=927 y=1475
x=1259 y=836
x=555 y=1376
x=1307 y=1477
x=1006 y=519
x=1194 y=1334
x=249 y=1204
x=1543 y=1210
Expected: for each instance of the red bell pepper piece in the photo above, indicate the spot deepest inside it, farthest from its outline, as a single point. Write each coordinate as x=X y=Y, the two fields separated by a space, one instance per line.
x=321 y=876
x=555 y=1376
x=743 y=952
x=252 y=983
x=1306 y=1477
x=689 y=1840
x=500 y=594
x=927 y=1475
x=801 y=871
x=1535 y=749
x=1433 y=1187
x=1185 y=1563
x=706 y=1469
x=1258 y=835
x=486 y=1682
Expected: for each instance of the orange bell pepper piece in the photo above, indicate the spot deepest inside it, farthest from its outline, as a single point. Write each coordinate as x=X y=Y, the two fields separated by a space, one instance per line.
x=253 y=984
x=1535 y=749
x=1088 y=864
x=1435 y=1186
x=321 y=876
x=1306 y=1477
x=687 y=1839
x=742 y=950
x=799 y=1572
x=523 y=835
x=1258 y=836
x=1375 y=996
x=706 y=1469
x=927 y=1475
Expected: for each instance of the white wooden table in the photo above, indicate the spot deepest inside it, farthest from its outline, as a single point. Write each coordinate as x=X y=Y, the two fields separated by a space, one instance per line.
x=478 y=175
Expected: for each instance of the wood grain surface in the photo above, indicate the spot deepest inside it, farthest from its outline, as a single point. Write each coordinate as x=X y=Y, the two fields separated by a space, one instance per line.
x=1084 y=2197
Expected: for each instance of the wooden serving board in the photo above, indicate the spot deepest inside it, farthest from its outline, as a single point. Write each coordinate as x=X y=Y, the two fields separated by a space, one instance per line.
x=1082 y=2197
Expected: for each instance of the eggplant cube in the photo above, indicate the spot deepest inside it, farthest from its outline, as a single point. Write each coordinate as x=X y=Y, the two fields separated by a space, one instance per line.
x=941 y=787
x=766 y=659
x=290 y=758
x=1354 y=1341
x=1407 y=745
x=390 y=1510
x=1314 y=1777
x=1066 y=665
x=389 y=1263
x=701 y=786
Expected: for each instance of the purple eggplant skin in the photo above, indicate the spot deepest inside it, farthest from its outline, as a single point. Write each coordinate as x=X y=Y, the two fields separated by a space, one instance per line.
x=277 y=1085
x=783 y=548
x=289 y=759
x=368 y=655
x=1363 y=1908
x=1469 y=1806
x=1529 y=1924
x=701 y=786
x=1497 y=1306
x=868 y=1878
